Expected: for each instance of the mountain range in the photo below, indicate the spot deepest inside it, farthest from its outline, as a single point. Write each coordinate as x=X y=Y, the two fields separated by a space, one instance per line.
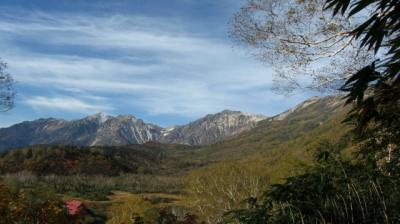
x=104 y=130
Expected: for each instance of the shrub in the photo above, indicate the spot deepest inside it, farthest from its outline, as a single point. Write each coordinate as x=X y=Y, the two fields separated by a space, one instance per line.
x=29 y=206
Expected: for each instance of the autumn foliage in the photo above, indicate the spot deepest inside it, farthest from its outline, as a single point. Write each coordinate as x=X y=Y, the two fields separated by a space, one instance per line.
x=30 y=207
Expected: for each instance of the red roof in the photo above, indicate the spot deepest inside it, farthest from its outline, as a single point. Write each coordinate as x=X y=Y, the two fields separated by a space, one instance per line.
x=74 y=207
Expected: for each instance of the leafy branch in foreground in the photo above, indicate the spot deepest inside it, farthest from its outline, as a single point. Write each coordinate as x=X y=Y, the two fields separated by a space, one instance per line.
x=364 y=189
x=375 y=89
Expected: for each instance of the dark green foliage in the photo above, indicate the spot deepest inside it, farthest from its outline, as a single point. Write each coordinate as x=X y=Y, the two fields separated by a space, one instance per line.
x=94 y=187
x=29 y=206
x=149 y=158
x=332 y=191
x=257 y=213
x=93 y=172
x=167 y=217
x=375 y=89
x=138 y=220
x=93 y=216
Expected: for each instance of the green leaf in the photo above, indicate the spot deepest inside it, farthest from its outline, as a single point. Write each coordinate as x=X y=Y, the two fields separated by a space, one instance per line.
x=360 y=5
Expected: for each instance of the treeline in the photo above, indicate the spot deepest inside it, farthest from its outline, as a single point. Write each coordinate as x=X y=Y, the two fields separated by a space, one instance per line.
x=149 y=158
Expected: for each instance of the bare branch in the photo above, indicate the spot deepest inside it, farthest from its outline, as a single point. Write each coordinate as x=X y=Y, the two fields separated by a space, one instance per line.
x=7 y=91
x=299 y=40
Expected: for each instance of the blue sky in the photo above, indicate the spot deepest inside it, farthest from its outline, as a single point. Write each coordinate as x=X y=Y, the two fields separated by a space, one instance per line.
x=167 y=62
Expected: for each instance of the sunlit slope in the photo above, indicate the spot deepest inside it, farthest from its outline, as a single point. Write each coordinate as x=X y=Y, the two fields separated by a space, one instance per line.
x=312 y=115
x=251 y=174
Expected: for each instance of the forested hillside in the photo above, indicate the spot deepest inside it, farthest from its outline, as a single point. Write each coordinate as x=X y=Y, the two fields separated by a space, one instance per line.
x=148 y=158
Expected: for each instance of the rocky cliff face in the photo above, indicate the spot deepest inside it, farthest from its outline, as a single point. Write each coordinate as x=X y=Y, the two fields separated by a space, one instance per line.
x=211 y=128
x=97 y=129
x=103 y=130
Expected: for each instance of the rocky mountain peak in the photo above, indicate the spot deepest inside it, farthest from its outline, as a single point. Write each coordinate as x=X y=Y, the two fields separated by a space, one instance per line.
x=211 y=128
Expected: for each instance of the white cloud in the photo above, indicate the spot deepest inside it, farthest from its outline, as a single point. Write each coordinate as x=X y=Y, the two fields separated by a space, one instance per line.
x=64 y=104
x=156 y=64
x=115 y=32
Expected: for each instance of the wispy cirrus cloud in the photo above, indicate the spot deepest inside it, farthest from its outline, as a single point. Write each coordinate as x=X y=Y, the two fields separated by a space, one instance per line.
x=64 y=104
x=143 y=63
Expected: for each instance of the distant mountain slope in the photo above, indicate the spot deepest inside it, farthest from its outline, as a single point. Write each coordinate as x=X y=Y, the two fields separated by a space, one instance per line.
x=211 y=128
x=102 y=130
x=272 y=132
x=97 y=129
